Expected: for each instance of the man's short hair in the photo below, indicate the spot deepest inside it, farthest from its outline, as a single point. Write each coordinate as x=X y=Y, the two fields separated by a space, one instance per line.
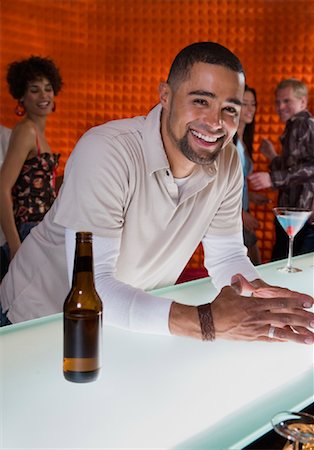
x=206 y=52
x=299 y=88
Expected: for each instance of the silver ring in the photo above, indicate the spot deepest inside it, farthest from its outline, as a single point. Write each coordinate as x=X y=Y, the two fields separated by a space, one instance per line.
x=271 y=332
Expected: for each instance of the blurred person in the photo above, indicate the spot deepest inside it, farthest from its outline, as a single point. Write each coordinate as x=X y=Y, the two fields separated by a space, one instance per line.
x=243 y=140
x=27 y=179
x=5 y=134
x=291 y=172
x=150 y=189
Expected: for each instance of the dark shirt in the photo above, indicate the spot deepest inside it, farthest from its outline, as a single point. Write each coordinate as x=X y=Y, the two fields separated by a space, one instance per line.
x=292 y=173
x=33 y=192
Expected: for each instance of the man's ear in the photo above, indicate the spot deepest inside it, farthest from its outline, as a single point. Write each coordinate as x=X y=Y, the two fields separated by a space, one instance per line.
x=164 y=94
x=304 y=102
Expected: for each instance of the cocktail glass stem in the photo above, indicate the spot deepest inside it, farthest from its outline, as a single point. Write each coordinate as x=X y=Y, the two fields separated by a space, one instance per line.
x=289 y=263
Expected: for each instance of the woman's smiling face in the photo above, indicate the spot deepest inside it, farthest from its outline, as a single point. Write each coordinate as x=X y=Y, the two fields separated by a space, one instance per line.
x=248 y=109
x=39 y=97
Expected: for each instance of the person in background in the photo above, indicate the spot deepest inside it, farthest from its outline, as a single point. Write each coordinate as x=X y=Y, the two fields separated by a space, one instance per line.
x=5 y=134
x=150 y=189
x=243 y=140
x=291 y=173
x=27 y=179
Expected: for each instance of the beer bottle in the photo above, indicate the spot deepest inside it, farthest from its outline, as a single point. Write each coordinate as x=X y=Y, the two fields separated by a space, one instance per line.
x=82 y=323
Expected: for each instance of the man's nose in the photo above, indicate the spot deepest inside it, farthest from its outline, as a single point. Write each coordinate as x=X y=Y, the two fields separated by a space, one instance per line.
x=214 y=119
x=279 y=106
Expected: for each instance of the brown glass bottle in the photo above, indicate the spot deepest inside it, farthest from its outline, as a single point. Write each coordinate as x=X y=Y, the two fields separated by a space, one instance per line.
x=82 y=323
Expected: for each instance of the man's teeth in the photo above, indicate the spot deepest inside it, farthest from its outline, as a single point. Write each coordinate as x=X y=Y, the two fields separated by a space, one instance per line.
x=203 y=137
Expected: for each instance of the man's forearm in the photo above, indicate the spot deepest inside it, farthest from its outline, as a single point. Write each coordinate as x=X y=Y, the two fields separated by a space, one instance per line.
x=184 y=321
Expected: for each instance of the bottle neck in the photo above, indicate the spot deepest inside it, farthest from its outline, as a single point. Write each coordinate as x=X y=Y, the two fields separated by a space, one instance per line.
x=83 y=264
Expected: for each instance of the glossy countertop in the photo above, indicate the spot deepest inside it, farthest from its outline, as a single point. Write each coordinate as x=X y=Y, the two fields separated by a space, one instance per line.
x=154 y=392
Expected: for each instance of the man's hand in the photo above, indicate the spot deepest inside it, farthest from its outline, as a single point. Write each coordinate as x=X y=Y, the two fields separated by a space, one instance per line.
x=259 y=180
x=250 y=318
x=268 y=149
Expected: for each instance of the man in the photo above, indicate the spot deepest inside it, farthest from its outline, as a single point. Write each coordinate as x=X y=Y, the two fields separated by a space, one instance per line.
x=149 y=189
x=292 y=173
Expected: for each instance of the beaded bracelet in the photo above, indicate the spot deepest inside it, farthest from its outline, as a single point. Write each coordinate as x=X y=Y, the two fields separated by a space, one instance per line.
x=206 y=322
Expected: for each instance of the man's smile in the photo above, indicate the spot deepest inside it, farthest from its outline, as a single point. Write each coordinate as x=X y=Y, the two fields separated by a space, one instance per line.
x=207 y=139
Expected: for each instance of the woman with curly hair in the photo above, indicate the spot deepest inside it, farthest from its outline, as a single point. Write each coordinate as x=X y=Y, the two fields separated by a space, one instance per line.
x=27 y=179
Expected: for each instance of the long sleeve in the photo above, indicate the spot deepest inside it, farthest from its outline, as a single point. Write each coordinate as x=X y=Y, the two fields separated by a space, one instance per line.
x=225 y=256
x=124 y=306
x=297 y=174
x=296 y=164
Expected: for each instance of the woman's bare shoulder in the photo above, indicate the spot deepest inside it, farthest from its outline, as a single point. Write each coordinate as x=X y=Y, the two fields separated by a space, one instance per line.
x=23 y=139
x=24 y=126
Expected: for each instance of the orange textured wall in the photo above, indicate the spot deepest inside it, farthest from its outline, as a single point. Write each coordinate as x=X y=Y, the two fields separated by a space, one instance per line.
x=113 y=53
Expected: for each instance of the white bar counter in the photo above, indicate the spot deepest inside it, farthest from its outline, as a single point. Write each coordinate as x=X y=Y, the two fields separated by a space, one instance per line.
x=154 y=392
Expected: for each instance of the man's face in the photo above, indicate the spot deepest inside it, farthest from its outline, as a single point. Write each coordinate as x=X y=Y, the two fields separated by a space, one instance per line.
x=202 y=114
x=287 y=104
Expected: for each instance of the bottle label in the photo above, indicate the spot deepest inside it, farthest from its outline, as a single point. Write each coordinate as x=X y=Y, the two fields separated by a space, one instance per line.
x=82 y=334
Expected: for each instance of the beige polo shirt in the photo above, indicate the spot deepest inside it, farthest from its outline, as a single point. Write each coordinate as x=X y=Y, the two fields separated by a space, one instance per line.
x=124 y=188
x=118 y=183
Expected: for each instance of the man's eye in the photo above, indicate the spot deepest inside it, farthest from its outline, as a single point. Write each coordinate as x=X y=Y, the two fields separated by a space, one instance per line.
x=200 y=101
x=231 y=110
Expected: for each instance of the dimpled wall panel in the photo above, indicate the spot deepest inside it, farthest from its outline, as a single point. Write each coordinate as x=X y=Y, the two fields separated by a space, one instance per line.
x=113 y=53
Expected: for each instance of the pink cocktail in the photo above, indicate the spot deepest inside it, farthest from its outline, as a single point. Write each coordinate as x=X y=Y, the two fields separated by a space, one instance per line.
x=291 y=220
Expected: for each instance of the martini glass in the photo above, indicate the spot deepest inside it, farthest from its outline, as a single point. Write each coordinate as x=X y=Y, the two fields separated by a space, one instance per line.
x=291 y=220
x=297 y=427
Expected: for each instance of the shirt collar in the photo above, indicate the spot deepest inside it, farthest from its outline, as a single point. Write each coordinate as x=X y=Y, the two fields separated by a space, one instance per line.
x=154 y=152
